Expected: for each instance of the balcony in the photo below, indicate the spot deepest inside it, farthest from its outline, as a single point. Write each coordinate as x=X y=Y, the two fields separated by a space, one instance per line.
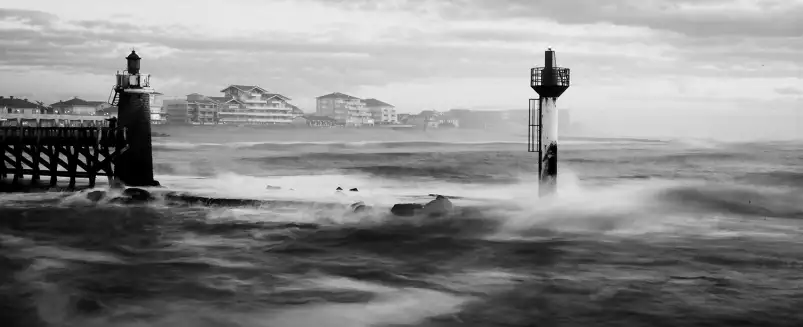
x=263 y=108
x=548 y=81
x=229 y=120
x=128 y=81
x=255 y=114
x=252 y=100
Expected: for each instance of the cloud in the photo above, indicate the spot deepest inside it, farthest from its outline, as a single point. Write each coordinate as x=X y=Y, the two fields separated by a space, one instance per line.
x=645 y=55
x=697 y=18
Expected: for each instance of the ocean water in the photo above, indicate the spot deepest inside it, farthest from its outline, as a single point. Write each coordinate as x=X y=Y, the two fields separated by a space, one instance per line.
x=641 y=233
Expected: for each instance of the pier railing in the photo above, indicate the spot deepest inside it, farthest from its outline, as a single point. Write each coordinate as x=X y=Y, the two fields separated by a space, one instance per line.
x=62 y=136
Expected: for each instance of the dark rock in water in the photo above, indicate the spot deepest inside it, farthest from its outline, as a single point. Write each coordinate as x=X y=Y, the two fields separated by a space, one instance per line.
x=183 y=198
x=338 y=189
x=354 y=190
x=405 y=209
x=96 y=196
x=137 y=194
x=440 y=206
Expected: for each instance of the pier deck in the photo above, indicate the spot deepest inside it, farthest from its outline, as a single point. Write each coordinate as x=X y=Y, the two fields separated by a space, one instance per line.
x=74 y=152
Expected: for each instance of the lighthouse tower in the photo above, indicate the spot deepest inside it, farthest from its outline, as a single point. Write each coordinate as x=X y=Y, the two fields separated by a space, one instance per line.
x=549 y=81
x=134 y=167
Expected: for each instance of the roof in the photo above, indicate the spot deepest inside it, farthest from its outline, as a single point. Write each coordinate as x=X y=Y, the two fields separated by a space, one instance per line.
x=73 y=102
x=202 y=101
x=245 y=88
x=133 y=56
x=271 y=95
x=18 y=103
x=337 y=95
x=228 y=99
x=376 y=103
x=221 y=99
x=314 y=117
x=295 y=109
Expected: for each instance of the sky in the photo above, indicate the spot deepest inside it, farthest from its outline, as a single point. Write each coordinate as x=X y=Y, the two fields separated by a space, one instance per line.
x=695 y=68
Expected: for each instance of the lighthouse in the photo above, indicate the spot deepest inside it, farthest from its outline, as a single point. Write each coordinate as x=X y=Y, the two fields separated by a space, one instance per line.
x=549 y=81
x=134 y=167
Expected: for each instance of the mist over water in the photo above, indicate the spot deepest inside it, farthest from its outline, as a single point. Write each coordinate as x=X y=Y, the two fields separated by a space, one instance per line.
x=642 y=233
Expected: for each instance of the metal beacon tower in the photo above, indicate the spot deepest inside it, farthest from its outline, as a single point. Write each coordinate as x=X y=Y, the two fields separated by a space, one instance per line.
x=549 y=82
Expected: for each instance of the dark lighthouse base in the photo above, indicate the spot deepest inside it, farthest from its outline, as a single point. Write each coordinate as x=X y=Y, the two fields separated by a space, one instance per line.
x=549 y=171
x=134 y=167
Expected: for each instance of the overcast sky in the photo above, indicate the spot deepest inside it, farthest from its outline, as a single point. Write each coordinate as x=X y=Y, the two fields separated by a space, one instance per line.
x=640 y=67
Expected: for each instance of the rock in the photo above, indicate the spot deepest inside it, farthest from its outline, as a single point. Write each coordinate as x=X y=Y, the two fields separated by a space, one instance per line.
x=405 y=209
x=354 y=190
x=137 y=194
x=96 y=196
x=338 y=189
x=440 y=206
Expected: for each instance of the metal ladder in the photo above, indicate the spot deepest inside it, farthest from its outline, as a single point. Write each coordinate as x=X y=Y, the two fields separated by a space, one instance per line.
x=534 y=130
x=116 y=98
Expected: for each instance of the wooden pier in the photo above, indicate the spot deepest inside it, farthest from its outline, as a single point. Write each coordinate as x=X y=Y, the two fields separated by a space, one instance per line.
x=74 y=152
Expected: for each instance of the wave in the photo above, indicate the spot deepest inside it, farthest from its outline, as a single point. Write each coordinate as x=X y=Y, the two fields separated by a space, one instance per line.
x=787 y=178
x=368 y=145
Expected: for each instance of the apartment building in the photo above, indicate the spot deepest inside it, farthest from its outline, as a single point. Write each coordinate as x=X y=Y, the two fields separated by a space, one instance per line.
x=345 y=109
x=196 y=109
x=381 y=112
x=295 y=111
x=156 y=105
x=78 y=106
x=253 y=105
x=11 y=105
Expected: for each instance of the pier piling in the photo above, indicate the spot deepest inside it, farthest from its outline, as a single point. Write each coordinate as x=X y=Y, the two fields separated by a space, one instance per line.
x=72 y=152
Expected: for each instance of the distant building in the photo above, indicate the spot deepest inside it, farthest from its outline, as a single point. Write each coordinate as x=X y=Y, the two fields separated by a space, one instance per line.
x=403 y=118
x=13 y=105
x=156 y=104
x=382 y=112
x=486 y=119
x=345 y=109
x=423 y=120
x=78 y=106
x=177 y=112
x=108 y=111
x=195 y=109
x=448 y=120
x=296 y=112
x=253 y=105
x=314 y=121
